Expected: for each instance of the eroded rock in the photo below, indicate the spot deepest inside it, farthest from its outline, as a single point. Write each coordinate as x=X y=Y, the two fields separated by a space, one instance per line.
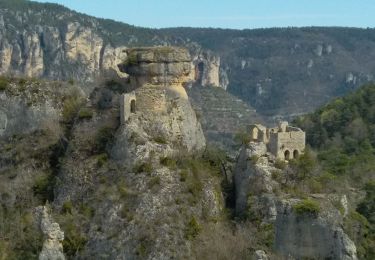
x=53 y=236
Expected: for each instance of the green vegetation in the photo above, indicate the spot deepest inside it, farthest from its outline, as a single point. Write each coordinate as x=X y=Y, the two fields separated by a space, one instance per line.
x=143 y=167
x=192 y=229
x=343 y=132
x=4 y=81
x=43 y=187
x=74 y=238
x=103 y=138
x=367 y=205
x=67 y=207
x=71 y=106
x=160 y=139
x=242 y=137
x=85 y=113
x=168 y=162
x=307 y=206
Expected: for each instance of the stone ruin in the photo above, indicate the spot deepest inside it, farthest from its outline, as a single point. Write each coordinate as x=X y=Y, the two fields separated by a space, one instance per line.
x=284 y=142
x=156 y=102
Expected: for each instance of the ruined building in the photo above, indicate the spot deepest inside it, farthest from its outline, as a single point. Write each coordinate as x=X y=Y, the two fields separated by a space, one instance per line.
x=159 y=102
x=284 y=142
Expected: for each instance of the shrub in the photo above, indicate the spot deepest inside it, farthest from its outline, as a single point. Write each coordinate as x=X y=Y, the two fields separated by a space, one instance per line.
x=242 y=137
x=280 y=164
x=85 y=113
x=43 y=187
x=67 y=207
x=3 y=83
x=155 y=181
x=102 y=159
x=168 y=162
x=160 y=139
x=367 y=206
x=192 y=229
x=306 y=206
x=74 y=240
x=70 y=108
x=183 y=175
x=103 y=137
x=22 y=81
x=143 y=167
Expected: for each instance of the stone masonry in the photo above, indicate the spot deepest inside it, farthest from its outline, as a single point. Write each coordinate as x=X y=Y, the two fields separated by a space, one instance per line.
x=284 y=142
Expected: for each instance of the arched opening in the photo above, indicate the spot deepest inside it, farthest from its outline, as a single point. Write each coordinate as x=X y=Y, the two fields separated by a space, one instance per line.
x=287 y=155
x=255 y=134
x=132 y=106
x=295 y=154
x=199 y=72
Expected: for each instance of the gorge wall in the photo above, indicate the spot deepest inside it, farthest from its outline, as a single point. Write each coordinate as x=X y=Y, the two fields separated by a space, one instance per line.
x=279 y=72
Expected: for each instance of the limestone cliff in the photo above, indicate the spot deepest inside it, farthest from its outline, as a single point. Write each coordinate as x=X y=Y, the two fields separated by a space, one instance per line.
x=150 y=200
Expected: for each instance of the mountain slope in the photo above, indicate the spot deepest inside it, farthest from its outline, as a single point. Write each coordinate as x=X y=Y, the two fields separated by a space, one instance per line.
x=284 y=71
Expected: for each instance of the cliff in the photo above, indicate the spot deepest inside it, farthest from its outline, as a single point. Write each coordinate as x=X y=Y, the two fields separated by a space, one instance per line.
x=307 y=227
x=279 y=72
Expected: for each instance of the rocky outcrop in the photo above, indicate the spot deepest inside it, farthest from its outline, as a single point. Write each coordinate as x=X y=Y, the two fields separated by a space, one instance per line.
x=27 y=105
x=158 y=66
x=73 y=51
x=163 y=110
x=52 y=246
x=297 y=235
x=308 y=236
x=207 y=66
x=156 y=206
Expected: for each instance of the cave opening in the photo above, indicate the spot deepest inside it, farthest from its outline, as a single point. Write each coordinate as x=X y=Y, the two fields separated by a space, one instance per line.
x=199 y=72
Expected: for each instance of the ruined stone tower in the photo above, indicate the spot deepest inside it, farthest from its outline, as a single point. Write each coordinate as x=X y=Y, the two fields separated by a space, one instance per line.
x=284 y=142
x=159 y=102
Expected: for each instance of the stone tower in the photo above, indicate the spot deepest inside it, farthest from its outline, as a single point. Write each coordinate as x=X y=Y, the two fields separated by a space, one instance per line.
x=284 y=141
x=159 y=101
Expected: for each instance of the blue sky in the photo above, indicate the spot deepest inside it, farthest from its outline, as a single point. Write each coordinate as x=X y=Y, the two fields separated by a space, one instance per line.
x=237 y=14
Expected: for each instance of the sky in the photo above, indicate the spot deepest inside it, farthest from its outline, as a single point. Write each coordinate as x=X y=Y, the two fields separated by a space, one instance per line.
x=235 y=14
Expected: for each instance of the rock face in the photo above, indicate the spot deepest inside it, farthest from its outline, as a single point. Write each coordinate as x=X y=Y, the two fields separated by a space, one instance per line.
x=154 y=205
x=52 y=246
x=310 y=237
x=296 y=235
x=159 y=66
x=265 y=68
x=72 y=51
x=25 y=106
x=208 y=71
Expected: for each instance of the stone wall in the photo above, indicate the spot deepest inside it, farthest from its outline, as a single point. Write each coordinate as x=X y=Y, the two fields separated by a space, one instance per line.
x=127 y=106
x=282 y=142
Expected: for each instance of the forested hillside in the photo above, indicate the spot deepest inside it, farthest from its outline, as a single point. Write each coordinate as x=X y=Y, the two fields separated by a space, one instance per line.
x=343 y=135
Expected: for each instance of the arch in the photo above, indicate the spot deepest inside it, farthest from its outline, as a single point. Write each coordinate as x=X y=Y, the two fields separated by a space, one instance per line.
x=295 y=154
x=287 y=155
x=132 y=106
